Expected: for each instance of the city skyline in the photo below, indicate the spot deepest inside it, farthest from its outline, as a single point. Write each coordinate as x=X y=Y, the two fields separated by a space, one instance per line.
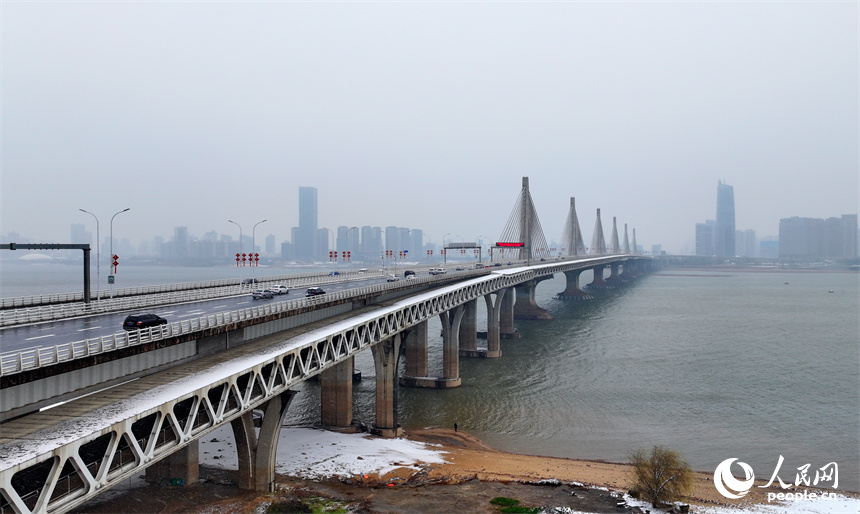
x=407 y=114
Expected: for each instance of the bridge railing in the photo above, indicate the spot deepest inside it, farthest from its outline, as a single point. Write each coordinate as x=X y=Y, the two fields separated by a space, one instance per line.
x=16 y=362
x=60 y=298
x=10 y=317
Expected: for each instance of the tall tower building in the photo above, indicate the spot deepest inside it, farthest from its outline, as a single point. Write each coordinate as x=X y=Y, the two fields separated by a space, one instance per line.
x=725 y=243
x=306 y=235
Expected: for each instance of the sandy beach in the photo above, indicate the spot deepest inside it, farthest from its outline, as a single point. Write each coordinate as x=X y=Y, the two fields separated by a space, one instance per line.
x=470 y=475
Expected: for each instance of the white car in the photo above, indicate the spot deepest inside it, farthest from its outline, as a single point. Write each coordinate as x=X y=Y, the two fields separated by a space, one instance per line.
x=259 y=294
x=392 y=278
x=279 y=289
x=437 y=271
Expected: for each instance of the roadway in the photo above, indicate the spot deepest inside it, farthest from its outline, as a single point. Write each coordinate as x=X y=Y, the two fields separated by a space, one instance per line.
x=52 y=333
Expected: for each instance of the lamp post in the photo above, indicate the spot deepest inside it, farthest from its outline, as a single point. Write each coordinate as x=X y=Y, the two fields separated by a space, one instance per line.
x=330 y=248
x=240 y=234
x=98 y=257
x=111 y=242
x=253 y=243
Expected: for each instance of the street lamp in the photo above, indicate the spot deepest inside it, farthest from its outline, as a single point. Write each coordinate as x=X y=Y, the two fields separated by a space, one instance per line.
x=253 y=244
x=331 y=248
x=111 y=241
x=240 y=234
x=98 y=257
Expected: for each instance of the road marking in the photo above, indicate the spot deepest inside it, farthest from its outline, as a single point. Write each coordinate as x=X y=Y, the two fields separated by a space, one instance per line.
x=39 y=337
x=88 y=328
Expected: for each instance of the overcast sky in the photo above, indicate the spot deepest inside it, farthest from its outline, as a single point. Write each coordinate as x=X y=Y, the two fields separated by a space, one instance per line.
x=425 y=115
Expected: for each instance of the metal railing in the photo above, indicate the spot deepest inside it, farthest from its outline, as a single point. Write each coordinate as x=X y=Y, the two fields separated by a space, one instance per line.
x=136 y=298
x=59 y=298
x=17 y=362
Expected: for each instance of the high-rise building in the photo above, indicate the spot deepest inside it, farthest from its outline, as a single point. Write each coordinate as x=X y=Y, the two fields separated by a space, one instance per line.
x=705 y=238
x=725 y=229
x=306 y=234
x=816 y=238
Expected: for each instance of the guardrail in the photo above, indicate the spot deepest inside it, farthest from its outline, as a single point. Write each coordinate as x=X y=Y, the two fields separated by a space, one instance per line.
x=59 y=298
x=17 y=362
x=11 y=317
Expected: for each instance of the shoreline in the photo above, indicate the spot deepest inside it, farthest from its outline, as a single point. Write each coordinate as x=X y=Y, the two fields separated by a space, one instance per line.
x=471 y=457
x=470 y=474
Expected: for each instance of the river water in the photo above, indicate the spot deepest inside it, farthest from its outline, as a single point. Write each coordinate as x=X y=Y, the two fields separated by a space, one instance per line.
x=715 y=365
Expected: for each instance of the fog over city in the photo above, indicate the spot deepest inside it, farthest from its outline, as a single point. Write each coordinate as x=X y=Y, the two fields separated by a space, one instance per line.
x=425 y=115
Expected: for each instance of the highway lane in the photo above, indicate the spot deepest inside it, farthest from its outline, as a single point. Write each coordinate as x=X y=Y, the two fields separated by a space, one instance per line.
x=53 y=333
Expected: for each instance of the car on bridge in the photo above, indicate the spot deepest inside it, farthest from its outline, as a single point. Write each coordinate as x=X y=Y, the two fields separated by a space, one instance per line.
x=408 y=273
x=279 y=289
x=437 y=271
x=138 y=321
x=314 y=291
x=260 y=294
x=392 y=278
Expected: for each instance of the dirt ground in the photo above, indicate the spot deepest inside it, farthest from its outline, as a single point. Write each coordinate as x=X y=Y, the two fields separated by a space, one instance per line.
x=473 y=475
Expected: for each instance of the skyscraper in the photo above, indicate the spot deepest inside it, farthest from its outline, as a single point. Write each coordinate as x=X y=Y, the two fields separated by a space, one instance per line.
x=725 y=240
x=306 y=233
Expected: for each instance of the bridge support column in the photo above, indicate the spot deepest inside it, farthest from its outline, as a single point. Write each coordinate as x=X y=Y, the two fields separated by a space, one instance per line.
x=628 y=270
x=614 y=279
x=469 y=331
x=494 y=308
x=507 y=330
x=572 y=291
x=336 y=396
x=415 y=347
x=451 y=346
x=182 y=465
x=257 y=452
x=598 y=282
x=526 y=306
x=385 y=356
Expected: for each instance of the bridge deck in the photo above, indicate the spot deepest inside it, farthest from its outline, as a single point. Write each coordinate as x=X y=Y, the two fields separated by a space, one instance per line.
x=34 y=434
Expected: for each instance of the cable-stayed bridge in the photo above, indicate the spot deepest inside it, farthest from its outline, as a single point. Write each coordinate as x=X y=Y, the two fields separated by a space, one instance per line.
x=161 y=389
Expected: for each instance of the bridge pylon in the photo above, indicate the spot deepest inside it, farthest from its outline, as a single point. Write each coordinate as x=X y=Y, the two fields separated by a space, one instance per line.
x=626 y=247
x=614 y=247
x=523 y=226
x=598 y=242
x=571 y=235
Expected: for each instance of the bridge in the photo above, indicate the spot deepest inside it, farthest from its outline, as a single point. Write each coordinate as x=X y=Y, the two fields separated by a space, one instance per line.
x=160 y=390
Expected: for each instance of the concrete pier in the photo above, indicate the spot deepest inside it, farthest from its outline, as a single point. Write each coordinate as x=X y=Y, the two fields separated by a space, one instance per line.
x=526 y=307
x=257 y=453
x=385 y=357
x=598 y=282
x=572 y=290
x=336 y=396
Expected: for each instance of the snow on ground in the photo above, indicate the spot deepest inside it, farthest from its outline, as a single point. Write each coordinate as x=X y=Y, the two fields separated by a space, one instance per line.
x=315 y=454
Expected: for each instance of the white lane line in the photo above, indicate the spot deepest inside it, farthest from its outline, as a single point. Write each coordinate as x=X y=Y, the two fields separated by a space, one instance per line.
x=39 y=337
x=88 y=328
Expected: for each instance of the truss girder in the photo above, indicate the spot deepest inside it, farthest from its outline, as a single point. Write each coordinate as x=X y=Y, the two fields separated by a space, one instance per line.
x=59 y=476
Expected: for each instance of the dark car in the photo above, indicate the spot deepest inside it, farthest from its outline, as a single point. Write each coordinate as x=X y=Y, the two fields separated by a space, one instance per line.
x=408 y=272
x=138 y=321
x=314 y=291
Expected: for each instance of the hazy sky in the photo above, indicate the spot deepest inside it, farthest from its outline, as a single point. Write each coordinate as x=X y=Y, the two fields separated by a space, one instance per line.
x=425 y=114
